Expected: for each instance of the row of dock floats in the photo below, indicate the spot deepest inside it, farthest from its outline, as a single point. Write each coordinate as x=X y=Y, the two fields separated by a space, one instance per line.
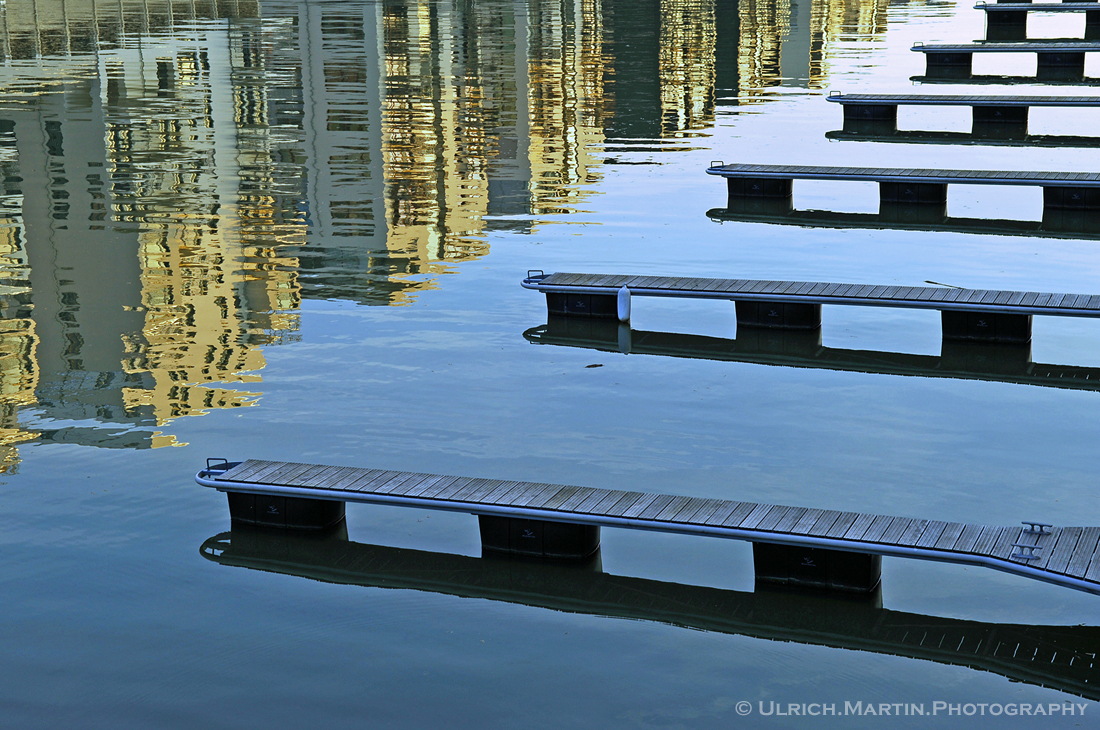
x=779 y=322
x=1061 y=60
x=539 y=521
x=917 y=198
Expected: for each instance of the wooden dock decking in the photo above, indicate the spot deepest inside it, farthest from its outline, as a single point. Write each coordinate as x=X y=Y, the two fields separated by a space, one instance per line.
x=964 y=99
x=1027 y=7
x=820 y=292
x=1065 y=556
x=907 y=175
x=1056 y=59
x=1036 y=46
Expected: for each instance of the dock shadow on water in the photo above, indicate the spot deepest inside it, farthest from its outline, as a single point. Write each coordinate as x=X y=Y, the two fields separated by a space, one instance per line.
x=1059 y=657
x=994 y=362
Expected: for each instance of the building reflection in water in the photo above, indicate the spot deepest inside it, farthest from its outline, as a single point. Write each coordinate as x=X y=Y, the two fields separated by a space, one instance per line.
x=1060 y=657
x=179 y=175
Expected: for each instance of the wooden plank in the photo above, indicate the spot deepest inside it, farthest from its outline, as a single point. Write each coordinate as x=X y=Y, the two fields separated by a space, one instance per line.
x=859 y=526
x=586 y=505
x=627 y=501
x=270 y=468
x=555 y=502
x=540 y=495
x=609 y=499
x=775 y=514
x=968 y=539
x=1083 y=553
x=753 y=518
x=656 y=506
x=444 y=487
x=951 y=535
x=692 y=508
x=426 y=484
x=1067 y=543
x=325 y=478
x=985 y=542
x=1003 y=548
x=841 y=525
x=478 y=489
x=414 y=481
x=339 y=476
x=931 y=534
x=636 y=509
x=733 y=512
x=913 y=532
x=1093 y=571
x=366 y=483
x=351 y=476
x=450 y=491
x=789 y=520
x=824 y=522
x=671 y=508
x=876 y=530
x=278 y=476
x=806 y=521
x=1048 y=545
x=894 y=530
x=577 y=497
x=740 y=511
x=242 y=471
x=704 y=514
x=389 y=486
x=508 y=497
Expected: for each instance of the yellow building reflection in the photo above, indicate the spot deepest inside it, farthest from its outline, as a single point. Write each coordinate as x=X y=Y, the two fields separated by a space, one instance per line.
x=182 y=174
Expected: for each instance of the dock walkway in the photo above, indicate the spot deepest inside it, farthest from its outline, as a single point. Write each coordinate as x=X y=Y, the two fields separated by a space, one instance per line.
x=1008 y=21
x=1056 y=59
x=994 y=116
x=970 y=314
x=1070 y=199
x=1065 y=556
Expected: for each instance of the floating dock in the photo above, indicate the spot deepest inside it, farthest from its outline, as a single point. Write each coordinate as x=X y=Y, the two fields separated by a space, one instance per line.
x=1008 y=20
x=1070 y=199
x=791 y=545
x=990 y=315
x=994 y=117
x=1057 y=59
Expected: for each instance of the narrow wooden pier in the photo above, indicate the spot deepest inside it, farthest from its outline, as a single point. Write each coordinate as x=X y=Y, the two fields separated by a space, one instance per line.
x=1008 y=21
x=1072 y=196
x=967 y=314
x=994 y=116
x=791 y=545
x=1062 y=60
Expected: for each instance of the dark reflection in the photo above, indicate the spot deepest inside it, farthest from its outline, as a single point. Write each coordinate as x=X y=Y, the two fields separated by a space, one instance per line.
x=958 y=359
x=1059 y=657
x=1055 y=223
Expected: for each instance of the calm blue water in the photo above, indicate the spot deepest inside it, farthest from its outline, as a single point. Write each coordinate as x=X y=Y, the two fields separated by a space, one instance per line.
x=296 y=230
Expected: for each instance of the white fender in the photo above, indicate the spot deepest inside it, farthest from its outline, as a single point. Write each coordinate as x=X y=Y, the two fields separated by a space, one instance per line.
x=624 y=304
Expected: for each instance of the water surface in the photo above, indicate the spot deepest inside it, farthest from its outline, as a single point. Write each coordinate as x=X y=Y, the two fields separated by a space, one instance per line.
x=296 y=230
